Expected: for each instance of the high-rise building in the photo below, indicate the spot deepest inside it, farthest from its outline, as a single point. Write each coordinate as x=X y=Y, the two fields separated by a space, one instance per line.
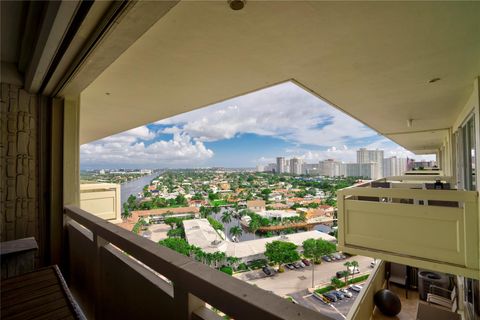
x=366 y=170
x=330 y=168
x=296 y=166
x=372 y=156
x=280 y=165
x=394 y=166
x=271 y=167
x=260 y=168
x=287 y=166
x=310 y=168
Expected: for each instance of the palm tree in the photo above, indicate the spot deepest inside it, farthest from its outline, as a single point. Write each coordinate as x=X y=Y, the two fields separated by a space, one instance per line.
x=355 y=265
x=347 y=264
x=226 y=217
x=205 y=211
x=236 y=232
x=216 y=209
x=253 y=226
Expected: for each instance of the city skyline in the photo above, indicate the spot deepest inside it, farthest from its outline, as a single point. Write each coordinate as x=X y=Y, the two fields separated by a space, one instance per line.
x=239 y=133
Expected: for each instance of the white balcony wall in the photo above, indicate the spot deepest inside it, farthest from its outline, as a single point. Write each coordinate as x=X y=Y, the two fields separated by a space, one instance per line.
x=102 y=200
x=374 y=222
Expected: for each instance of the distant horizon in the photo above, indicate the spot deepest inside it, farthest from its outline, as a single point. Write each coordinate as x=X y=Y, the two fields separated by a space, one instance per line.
x=198 y=168
x=243 y=132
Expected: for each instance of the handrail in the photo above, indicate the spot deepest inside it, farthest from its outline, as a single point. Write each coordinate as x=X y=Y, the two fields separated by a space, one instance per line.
x=364 y=306
x=234 y=297
x=440 y=195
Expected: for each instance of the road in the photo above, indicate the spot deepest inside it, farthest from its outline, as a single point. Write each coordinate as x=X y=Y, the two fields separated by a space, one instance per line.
x=299 y=279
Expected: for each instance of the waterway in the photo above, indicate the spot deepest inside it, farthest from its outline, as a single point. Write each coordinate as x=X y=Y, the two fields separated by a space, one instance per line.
x=135 y=186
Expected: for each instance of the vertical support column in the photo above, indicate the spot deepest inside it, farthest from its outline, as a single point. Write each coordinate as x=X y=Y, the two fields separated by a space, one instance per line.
x=71 y=167
x=56 y=182
x=71 y=151
x=341 y=219
x=118 y=204
x=185 y=303
x=99 y=243
x=471 y=234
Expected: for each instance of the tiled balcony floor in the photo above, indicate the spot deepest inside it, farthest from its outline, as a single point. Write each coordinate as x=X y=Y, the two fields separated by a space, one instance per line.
x=409 y=306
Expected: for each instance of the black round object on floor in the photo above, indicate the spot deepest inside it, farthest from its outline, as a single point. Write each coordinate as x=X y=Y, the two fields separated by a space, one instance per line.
x=388 y=302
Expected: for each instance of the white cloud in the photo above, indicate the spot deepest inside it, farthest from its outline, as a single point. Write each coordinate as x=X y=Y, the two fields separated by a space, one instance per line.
x=133 y=148
x=284 y=111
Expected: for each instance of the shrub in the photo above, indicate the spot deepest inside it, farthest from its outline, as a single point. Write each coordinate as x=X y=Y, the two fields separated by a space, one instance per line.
x=358 y=279
x=227 y=270
x=324 y=289
x=242 y=267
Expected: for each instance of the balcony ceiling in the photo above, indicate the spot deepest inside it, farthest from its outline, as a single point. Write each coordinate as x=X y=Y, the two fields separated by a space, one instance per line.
x=373 y=60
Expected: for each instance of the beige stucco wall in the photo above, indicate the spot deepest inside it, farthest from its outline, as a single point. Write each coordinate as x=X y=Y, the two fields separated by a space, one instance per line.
x=102 y=200
x=18 y=163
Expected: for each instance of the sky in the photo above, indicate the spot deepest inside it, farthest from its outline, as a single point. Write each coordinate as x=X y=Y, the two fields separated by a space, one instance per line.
x=253 y=129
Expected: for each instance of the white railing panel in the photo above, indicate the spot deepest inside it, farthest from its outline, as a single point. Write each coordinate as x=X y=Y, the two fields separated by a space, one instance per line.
x=432 y=229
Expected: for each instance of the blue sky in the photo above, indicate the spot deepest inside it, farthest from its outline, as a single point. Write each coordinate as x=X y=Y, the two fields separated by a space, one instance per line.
x=283 y=120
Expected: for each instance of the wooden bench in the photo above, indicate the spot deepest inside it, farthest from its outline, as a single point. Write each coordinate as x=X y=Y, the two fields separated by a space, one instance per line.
x=41 y=294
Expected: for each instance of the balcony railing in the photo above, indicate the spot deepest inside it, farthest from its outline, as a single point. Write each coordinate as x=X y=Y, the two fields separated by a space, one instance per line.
x=102 y=200
x=115 y=274
x=364 y=305
x=432 y=229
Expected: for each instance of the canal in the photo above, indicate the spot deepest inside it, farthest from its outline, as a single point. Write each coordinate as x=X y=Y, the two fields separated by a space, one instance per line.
x=135 y=186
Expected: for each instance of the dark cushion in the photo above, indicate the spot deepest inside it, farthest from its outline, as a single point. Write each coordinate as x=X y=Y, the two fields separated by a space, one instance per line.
x=388 y=302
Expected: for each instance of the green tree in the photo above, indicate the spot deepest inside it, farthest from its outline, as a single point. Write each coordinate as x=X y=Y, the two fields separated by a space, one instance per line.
x=205 y=211
x=176 y=233
x=337 y=283
x=344 y=275
x=178 y=244
x=254 y=225
x=236 y=231
x=197 y=196
x=215 y=224
x=181 y=200
x=213 y=196
x=314 y=249
x=226 y=217
x=216 y=209
x=126 y=213
x=281 y=252
x=348 y=264
x=174 y=222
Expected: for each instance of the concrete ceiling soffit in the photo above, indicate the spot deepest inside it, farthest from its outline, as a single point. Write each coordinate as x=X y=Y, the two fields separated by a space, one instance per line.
x=117 y=31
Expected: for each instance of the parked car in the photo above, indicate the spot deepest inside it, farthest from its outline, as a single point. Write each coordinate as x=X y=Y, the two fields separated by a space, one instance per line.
x=355 y=287
x=331 y=297
x=353 y=270
x=339 y=274
x=301 y=264
x=306 y=262
x=326 y=258
x=343 y=256
x=337 y=256
x=267 y=271
x=296 y=265
x=373 y=264
x=338 y=294
x=346 y=293
x=321 y=298
x=290 y=266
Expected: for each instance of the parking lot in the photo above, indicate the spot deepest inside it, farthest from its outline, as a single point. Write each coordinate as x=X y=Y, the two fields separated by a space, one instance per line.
x=292 y=281
x=337 y=310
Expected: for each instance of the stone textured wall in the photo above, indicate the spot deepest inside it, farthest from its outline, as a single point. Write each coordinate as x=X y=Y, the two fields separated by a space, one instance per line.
x=18 y=164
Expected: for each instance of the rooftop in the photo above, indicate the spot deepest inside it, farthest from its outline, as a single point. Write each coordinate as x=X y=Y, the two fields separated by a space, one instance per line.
x=200 y=233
